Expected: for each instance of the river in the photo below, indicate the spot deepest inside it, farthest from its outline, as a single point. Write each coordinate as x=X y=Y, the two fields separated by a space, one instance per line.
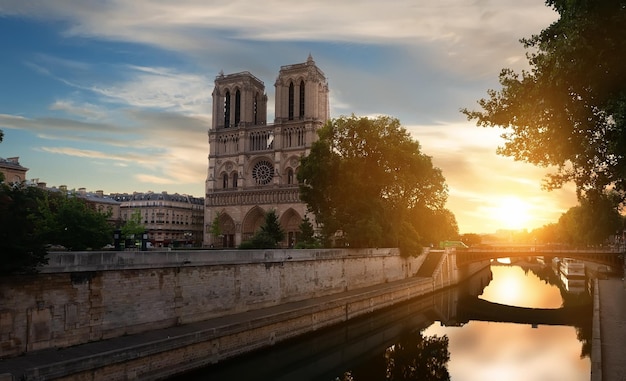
x=444 y=336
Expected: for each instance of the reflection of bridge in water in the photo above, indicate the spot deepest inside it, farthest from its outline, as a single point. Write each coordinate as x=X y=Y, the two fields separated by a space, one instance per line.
x=610 y=258
x=474 y=308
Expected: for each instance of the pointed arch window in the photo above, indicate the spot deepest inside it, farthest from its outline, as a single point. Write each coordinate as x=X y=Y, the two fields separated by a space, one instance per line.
x=225 y=181
x=291 y=100
x=301 y=111
x=256 y=108
x=227 y=109
x=235 y=178
x=290 y=176
x=237 y=107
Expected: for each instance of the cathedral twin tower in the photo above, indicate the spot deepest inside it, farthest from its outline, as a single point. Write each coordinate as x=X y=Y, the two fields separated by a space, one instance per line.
x=253 y=164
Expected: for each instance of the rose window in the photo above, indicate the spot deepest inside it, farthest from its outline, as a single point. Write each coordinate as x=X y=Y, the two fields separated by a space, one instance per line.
x=262 y=172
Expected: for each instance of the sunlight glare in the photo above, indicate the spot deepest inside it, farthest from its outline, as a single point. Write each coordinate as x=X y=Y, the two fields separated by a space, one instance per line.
x=512 y=213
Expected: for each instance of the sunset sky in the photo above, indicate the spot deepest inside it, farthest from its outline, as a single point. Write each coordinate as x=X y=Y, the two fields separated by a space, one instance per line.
x=116 y=95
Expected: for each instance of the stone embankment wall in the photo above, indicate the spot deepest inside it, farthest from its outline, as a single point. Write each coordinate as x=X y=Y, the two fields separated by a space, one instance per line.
x=91 y=296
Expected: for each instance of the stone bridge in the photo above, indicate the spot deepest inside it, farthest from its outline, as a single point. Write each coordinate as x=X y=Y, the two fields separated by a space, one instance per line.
x=610 y=258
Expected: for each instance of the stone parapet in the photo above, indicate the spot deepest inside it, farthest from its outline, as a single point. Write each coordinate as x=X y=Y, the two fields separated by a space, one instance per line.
x=90 y=296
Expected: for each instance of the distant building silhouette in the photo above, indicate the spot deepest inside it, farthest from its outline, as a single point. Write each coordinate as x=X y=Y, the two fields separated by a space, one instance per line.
x=12 y=170
x=252 y=164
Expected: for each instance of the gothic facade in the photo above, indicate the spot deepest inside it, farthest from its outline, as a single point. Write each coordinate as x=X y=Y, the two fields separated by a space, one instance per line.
x=253 y=164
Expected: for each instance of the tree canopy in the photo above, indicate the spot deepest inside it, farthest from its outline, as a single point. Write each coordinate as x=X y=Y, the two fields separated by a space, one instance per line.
x=133 y=226
x=73 y=223
x=32 y=218
x=591 y=222
x=368 y=179
x=569 y=109
x=22 y=243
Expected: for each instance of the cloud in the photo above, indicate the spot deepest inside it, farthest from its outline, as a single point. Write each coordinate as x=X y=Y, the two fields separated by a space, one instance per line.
x=69 y=151
x=150 y=179
x=457 y=27
x=84 y=110
x=159 y=88
x=173 y=147
x=61 y=125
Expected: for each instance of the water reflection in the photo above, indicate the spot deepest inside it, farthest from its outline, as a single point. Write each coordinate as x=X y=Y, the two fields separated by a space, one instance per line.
x=440 y=337
x=496 y=351
x=414 y=357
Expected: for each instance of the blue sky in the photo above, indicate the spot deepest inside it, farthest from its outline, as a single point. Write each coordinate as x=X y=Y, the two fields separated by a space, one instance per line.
x=116 y=95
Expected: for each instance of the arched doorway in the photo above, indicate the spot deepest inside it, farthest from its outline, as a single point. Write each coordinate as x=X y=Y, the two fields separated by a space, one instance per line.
x=253 y=220
x=290 y=222
x=227 y=230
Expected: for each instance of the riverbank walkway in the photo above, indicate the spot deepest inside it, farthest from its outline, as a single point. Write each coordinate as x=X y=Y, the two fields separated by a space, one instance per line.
x=612 y=322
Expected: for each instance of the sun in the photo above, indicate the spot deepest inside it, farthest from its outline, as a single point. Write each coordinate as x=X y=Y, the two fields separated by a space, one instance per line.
x=511 y=213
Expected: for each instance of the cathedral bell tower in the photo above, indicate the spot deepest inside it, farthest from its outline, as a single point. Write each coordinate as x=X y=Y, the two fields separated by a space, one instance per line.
x=252 y=164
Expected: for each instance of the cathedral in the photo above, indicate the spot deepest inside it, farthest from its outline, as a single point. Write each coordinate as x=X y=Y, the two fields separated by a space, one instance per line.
x=253 y=164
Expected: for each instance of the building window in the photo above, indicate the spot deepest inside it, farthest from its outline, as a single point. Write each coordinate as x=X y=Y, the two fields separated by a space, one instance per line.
x=237 y=107
x=227 y=109
x=290 y=176
x=291 y=100
x=256 y=108
x=225 y=181
x=301 y=111
x=262 y=172
x=235 y=178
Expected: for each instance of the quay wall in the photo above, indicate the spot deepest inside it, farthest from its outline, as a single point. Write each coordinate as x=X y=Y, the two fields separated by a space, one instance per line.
x=82 y=297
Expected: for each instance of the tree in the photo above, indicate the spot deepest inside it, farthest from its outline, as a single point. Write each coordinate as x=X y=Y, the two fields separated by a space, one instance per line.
x=471 y=239
x=367 y=179
x=1 y=174
x=268 y=236
x=22 y=247
x=133 y=227
x=591 y=222
x=569 y=110
x=272 y=228
x=71 y=222
x=306 y=236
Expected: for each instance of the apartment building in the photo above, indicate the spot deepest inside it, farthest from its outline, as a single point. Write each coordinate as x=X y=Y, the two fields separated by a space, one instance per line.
x=171 y=220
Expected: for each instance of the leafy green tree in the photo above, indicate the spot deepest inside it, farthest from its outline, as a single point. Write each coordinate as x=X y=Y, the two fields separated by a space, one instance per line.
x=133 y=226
x=546 y=234
x=591 y=222
x=435 y=225
x=569 y=109
x=71 y=222
x=306 y=236
x=366 y=178
x=1 y=174
x=22 y=247
x=268 y=236
x=272 y=228
x=471 y=239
